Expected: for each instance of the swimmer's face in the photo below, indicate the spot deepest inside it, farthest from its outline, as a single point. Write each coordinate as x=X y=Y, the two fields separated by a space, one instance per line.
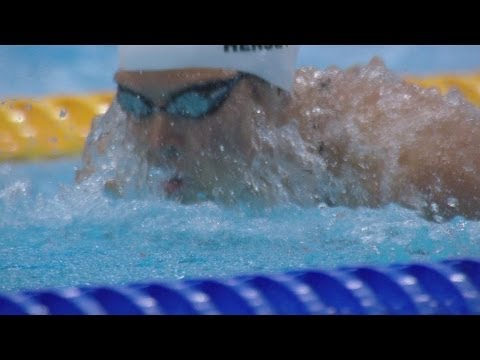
x=200 y=124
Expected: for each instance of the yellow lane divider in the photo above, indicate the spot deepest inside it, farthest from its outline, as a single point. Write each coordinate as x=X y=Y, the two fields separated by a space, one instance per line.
x=468 y=84
x=48 y=127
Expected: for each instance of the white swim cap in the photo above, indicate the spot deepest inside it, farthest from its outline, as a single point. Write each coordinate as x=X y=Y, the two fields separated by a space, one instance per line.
x=273 y=63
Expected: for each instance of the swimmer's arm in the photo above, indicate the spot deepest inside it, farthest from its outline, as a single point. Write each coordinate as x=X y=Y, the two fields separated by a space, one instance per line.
x=423 y=154
x=443 y=164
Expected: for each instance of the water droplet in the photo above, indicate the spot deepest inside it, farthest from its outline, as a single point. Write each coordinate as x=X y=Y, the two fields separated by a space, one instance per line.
x=452 y=202
x=63 y=114
x=201 y=196
x=354 y=285
x=457 y=277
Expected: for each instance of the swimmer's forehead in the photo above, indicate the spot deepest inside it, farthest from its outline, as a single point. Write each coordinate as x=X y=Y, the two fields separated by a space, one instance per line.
x=155 y=84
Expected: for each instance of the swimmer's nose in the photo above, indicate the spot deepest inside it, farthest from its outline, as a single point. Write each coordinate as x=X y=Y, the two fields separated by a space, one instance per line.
x=164 y=140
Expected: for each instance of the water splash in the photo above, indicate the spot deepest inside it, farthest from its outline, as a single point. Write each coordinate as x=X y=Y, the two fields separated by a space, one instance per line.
x=117 y=226
x=54 y=234
x=359 y=137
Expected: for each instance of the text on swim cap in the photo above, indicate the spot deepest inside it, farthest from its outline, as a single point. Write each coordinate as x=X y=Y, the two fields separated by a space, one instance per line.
x=248 y=48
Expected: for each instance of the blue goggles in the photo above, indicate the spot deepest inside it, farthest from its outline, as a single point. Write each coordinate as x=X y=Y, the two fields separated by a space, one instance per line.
x=195 y=102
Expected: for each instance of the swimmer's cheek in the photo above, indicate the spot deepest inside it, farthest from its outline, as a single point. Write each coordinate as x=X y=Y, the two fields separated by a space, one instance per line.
x=101 y=145
x=87 y=169
x=97 y=148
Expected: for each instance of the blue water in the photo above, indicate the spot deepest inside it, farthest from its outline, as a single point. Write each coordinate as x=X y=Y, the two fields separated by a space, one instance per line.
x=55 y=234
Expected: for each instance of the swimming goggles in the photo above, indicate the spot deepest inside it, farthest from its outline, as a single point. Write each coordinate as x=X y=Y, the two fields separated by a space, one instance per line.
x=194 y=102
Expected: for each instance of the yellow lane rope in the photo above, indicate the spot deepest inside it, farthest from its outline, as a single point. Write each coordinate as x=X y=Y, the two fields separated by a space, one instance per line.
x=48 y=127
x=57 y=126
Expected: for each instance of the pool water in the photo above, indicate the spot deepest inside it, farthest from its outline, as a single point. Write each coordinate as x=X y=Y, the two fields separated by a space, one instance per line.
x=54 y=233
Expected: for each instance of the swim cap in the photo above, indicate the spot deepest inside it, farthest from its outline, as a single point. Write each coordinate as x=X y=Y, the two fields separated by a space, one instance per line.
x=273 y=63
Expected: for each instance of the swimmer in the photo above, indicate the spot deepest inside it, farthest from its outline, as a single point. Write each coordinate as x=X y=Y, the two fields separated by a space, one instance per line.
x=238 y=122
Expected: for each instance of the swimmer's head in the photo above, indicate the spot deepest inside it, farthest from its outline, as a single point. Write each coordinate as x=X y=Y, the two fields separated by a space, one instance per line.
x=195 y=108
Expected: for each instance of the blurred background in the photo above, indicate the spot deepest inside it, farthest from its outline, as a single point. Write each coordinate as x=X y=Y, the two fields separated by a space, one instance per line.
x=32 y=70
